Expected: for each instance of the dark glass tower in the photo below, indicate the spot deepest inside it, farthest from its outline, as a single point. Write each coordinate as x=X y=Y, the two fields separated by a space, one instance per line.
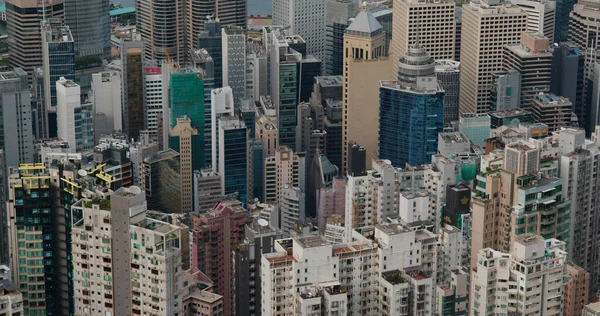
x=210 y=39
x=411 y=111
x=89 y=21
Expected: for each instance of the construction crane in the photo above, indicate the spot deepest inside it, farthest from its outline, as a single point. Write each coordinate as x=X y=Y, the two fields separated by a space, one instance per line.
x=169 y=58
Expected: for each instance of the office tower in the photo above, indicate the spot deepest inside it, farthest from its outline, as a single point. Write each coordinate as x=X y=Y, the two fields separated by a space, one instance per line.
x=421 y=22
x=364 y=65
x=281 y=169
x=247 y=113
x=162 y=28
x=90 y=24
x=74 y=115
x=576 y=290
x=16 y=118
x=138 y=152
x=338 y=12
x=132 y=60
x=32 y=228
x=540 y=16
x=457 y=33
x=202 y=61
x=476 y=127
x=162 y=182
x=576 y=167
x=476 y=79
x=531 y=261
x=23 y=28
x=292 y=207
x=448 y=76
x=133 y=246
x=304 y=18
x=215 y=235
x=266 y=131
x=58 y=60
x=568 y=64
x=106 y=97
x=307 y=69
x=211 y=40
x=562 y=21
x=327 y=99
x=533 y=60
x=226 y=12
x=509 y=118
x=552 y=110
x=259 y=239
x=222 y=104
x=257 y=175
x=207 y=189
x=411 y=111
x=234 y=61
x=188 y=142
x=310 y=135
x=4 y=245
x=233 y=157
x=505 y=93
x=153 y=99
x=259 y=74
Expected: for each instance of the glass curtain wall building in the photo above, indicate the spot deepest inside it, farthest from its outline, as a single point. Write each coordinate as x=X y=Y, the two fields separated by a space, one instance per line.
x=90 y=24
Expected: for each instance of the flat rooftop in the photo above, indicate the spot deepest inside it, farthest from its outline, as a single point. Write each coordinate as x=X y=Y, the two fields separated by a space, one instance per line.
x=509 y=113
x=330 y=81
x=454 y=137
x=312 y=241
x=393 y=229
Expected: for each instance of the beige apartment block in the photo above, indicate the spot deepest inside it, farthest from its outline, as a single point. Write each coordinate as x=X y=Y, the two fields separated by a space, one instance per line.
x=431 y=23
x=365 y=65
x=576 y=290
x=281 y=169
x=485 y=31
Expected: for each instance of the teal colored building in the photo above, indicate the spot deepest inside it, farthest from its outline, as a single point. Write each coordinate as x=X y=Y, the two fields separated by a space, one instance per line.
x=186 y=97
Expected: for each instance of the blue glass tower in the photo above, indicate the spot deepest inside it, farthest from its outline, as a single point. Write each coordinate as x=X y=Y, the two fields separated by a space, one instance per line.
x=411 y=111
x=234 y=156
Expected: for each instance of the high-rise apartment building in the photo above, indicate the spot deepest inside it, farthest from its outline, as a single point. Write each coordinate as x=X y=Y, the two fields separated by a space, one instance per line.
x=161 y=181
x=58 y=60
x=568 y=66
x=226 y=12
x=234 y=61
x=153 y=99
x=75 y=116
x=532 y=262
x=222 y=104
x=234 y=157
x=132 y=61
x=338 y=12
x=429 y=23
x=292 y=208
x=448 y=76
x=16 y=130
x=305 y=18
x=540 y=16
x=411 y=111
x=32 y=228
x=106 y=96
x=482 y=44
x=281 y=169
x=207 y=189
x=90 y=24
x=533 y=60
x=215 y=235
x=552 y=110
x=126 y=259
x=266 y=131
x=23 y=28
x=162 y=28
x=187 y=141
x=365 y=63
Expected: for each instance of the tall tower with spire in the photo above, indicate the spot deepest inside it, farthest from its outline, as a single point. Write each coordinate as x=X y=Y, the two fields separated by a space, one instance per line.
x=365 y=63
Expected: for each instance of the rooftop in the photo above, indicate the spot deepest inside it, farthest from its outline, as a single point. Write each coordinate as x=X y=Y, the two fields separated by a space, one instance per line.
x=162 y=156
x=454 y=137
x=509 y=113
x=329 y=81
x=365 y=24
x=551 y=99
x=312 y=241
x=393 y=229
x=393 y=277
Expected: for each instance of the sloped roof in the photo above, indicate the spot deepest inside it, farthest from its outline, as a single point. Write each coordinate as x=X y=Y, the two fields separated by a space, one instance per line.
x=364 y=22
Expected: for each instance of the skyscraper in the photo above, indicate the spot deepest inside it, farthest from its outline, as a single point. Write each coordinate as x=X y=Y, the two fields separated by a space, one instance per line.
x=74 y=116
x=482 y=45
x=448 y=75
x=505 y=93
x=540 y=16
x=211 y=40
x=365 y=63
x=338 y=12
x=422 y=22
x=16 y=134
x=227 y=12
x=162 y=182
x=281 y=169
x=234 y=157
x=23 y=28
x=563 y=10
x=411 y=111
x=58 y=59
x=305 y=18
x=568 y=66
x=132 y=60
x=90 y=25
x=234 y=61
x=533 y=59
x=106 y=96
x=188 y=142
x=162 y=28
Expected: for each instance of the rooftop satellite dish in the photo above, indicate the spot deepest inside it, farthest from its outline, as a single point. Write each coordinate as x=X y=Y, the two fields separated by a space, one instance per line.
x=135 y=189
x=262 y=222
x=82 y=173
